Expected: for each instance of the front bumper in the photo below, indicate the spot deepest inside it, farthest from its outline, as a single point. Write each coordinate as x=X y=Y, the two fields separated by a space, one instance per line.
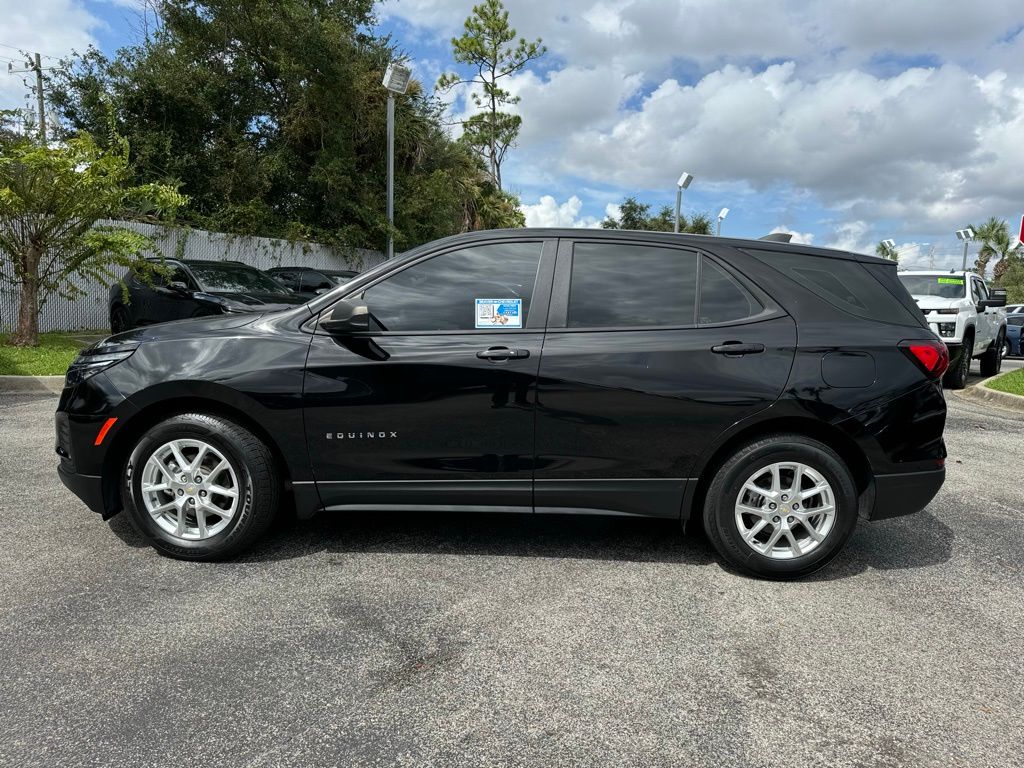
x=904 y=494
x=89 y=488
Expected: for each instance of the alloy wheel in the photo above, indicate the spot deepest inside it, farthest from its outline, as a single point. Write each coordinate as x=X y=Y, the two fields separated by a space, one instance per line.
x=190 y=489
x=785 y=510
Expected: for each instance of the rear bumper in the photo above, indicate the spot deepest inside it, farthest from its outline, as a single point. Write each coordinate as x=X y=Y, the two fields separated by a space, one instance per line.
x=904 y=494
x=88 y=488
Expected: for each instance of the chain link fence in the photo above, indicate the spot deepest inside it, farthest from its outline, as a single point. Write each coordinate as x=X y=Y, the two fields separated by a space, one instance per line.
x=89 y=310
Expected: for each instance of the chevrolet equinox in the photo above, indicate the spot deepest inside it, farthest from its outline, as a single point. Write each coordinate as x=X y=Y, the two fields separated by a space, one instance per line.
x=773 y=393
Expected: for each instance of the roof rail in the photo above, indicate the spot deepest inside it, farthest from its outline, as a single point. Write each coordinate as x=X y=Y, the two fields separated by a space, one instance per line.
x=777 y=237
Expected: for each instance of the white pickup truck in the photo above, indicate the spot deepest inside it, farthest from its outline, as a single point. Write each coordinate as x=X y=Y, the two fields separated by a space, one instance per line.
x=961 y=310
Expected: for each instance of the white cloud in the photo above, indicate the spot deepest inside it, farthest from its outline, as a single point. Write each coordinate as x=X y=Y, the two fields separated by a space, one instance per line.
x=803 y=238
x=51 y=27
x=548 y=212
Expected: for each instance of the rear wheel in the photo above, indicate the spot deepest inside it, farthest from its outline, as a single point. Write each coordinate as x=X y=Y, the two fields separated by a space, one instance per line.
x=992 y=360
x=200 y=487
x=781 y=507
x=957 y=376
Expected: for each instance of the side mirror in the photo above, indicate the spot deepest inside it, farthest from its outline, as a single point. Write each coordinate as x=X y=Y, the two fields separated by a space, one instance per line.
x=177 y=289
x=345 y=317
x=991 y=304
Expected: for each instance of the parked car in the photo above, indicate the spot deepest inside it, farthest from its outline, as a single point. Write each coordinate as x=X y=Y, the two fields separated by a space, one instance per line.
x=197 y=289
x=773 y=393
x=1013 y=345
x=310 y=282
x=960 y=310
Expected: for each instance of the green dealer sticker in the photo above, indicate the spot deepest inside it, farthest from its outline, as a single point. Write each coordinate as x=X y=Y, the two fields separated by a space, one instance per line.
x=950 y=281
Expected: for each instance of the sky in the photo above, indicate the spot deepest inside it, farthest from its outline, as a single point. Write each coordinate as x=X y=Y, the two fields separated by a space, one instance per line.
x=842 y=121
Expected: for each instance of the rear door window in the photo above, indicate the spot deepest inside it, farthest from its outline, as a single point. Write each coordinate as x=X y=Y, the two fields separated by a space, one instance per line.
x=722 y=299
x=619 y=285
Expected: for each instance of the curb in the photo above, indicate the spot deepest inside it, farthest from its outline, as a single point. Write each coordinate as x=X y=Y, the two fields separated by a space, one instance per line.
x=33 y=385
x=981 y=393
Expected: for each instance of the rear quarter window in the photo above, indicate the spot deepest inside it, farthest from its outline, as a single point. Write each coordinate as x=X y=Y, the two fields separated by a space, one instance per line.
x=864 y=290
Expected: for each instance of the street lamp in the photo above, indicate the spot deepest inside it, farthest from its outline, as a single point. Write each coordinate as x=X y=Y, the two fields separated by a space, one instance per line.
x=396 y=80
x=721 y=217
x=890 y=244
x=966 y=235
x=683 y=183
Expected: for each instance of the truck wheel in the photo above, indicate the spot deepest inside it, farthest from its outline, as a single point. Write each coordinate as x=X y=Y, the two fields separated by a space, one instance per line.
x=957 y=376
x=992 y=360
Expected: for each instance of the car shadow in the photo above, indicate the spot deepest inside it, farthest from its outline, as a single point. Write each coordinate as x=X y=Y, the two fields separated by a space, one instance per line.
x=917 y=541
x=501 y=535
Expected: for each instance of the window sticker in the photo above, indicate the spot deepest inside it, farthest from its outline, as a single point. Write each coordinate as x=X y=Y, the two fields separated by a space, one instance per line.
x=951 y=281
x=499 y=313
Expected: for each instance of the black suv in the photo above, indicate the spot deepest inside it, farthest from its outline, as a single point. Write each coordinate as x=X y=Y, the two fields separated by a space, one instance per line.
x=309 y=282
x=773 y=393
x=196 y=289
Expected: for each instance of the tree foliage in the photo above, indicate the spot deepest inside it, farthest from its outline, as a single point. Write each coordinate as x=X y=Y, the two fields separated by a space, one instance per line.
x=489 y=48
x=50 y=201
x=271 y=116
x=885 y=250
x=994 y=236
x=636 y=215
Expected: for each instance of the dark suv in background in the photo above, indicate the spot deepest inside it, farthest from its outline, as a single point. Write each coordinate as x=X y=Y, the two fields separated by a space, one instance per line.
x=196 y=289
x=773 y=393
x=309 y=282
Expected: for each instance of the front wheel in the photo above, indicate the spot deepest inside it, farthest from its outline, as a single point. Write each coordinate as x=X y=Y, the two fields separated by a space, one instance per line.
x=120 y=320
x=200 y=487
x=781 y=507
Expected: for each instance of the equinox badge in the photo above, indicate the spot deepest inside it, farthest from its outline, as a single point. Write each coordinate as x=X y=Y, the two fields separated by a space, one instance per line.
x=361 y=435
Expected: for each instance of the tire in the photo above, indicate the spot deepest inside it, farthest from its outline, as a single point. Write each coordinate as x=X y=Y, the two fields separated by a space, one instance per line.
x=229 y=525
x=1007 y=348
x=956 y=377
x=120 y=319
x=723 y=514
x=992 y=360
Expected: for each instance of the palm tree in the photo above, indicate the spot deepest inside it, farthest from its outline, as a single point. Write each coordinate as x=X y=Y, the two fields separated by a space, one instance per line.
x=994 y=235
x=885 y=251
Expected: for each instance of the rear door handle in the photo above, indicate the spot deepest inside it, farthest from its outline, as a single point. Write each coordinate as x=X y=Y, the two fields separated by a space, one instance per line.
x=497 y=354
x=737 y=349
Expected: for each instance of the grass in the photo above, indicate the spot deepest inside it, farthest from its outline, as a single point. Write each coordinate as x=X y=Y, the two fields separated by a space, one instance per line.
x=51 y=358
x=1012 y=382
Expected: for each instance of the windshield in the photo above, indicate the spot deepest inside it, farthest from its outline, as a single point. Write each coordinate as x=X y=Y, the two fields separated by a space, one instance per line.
x=219 y=277
x=943 y=286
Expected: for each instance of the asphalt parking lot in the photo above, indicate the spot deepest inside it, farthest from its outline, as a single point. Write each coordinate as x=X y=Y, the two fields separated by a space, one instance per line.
x=483 y=641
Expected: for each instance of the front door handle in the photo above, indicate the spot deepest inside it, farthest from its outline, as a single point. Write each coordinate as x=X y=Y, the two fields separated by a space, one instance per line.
x=497 y=354
x=737 y=349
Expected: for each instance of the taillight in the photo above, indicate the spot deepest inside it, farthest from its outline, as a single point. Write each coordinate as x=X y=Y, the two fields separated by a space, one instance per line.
x=931 y=356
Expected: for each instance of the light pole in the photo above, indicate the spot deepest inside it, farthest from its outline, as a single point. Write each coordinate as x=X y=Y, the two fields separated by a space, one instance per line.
x=396 y=80
x=721 y=217
x=966 y=235
x=683 y=183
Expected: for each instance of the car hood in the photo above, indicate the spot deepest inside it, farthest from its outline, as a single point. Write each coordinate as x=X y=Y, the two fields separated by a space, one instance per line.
x=936 y=302
x=182 y=329
x=257 y=302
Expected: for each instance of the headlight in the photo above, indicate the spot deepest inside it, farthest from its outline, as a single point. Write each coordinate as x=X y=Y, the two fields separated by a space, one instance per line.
x=947 y=311
x=98 y=358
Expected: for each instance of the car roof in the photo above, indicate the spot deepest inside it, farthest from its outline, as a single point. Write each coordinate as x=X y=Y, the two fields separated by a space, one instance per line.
x=628 y=235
